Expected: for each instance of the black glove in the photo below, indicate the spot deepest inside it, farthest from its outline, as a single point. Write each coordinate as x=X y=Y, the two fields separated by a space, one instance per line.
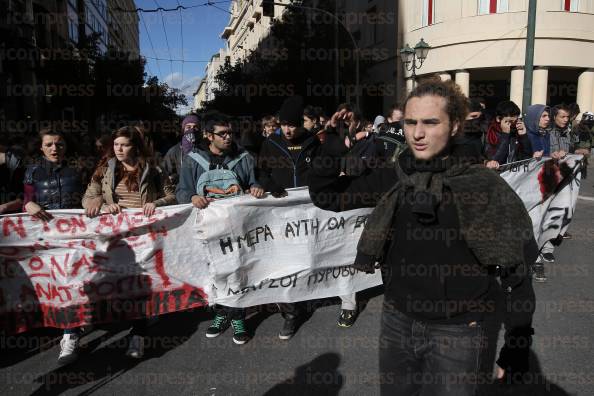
x=279 y=193
x=514 y=357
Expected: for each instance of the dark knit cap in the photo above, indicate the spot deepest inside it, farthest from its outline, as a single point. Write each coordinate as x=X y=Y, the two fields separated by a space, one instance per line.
x=474 y=106
x=190 y=119
x=291 y=112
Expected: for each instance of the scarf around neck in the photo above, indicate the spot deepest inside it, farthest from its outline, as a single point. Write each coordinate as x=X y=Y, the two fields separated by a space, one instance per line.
x=493 y=219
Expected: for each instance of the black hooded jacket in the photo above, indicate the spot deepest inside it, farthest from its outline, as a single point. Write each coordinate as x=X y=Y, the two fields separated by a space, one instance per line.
x=283 y=164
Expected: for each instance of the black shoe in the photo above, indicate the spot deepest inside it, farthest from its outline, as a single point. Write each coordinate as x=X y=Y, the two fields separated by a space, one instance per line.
x=548 y=257
x=567 y=235
x=218 y=326
x=538 y=272
x=240 y=334
x=347 y=318
x=289 y=329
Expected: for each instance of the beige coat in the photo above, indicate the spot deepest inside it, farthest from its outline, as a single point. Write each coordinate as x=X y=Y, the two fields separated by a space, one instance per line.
x=154 y=187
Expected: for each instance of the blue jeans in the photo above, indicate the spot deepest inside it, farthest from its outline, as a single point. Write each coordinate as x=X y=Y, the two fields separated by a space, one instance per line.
x=420 y=358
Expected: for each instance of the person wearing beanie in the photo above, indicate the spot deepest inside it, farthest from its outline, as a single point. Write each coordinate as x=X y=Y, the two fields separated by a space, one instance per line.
x=285 y=162
x=174 y=158
x=378 y=123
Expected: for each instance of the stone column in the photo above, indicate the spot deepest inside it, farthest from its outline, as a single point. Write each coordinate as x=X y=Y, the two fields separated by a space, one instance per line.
x=516 y=91
x=585 y=90
x=409 y=85
x=463 y=80
x=540 y=85
x=445 y=76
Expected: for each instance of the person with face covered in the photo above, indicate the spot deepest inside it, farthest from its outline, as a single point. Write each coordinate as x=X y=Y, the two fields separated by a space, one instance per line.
x=441 y=293
x=174 y=158
x=51 y=184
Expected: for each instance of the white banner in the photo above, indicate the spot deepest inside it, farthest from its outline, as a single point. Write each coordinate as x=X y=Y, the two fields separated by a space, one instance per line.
x=549 y=190
x=281 y=250
x=238 y=252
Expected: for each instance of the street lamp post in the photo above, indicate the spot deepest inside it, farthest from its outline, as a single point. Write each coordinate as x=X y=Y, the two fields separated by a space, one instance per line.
x=356 y=47
x=411 y=56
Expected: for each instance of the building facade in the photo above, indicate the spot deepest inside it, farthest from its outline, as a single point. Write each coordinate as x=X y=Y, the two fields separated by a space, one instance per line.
x=199 y=96
x=373 y=25
x=247 y=26
x=482 y=45
x=96 y=22
x=32 y=32
x=123 y=31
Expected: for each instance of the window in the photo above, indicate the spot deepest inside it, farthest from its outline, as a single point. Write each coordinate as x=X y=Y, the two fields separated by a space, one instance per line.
x=492 y=6
x=570 y=5
x=73 y=30
x=371 y=30
x=428 y=12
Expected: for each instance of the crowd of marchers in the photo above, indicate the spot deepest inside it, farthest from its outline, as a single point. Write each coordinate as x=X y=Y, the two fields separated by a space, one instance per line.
x=437 y=138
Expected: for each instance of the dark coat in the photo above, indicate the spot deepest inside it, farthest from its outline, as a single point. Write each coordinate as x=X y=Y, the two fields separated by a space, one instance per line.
x=53 y=186
x=277 y=170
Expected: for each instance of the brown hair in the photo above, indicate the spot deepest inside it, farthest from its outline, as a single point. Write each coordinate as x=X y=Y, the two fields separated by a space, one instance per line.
x=456 y=102
x=131 y=179
x=269 y=120
x=50 y=132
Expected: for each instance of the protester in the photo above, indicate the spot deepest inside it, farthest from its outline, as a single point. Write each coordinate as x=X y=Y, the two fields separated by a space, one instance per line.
x=474 y=137
x=285 y=162
x=562 y=140
x=104 y=145
x=537 y=124
x=219 y=169
x=574 y=112
x=585 y=135
x=50 y=184
x=269 y=125
x=128 y=180
x=585 y=132
x=507 y=139
x=311 y=120
x=378 y=123
x=11 y=177
x=429 y=320
x=190 y=134
x=391 y=136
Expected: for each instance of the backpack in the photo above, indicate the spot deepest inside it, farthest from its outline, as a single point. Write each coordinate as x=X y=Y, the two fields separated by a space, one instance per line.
x=221 y=182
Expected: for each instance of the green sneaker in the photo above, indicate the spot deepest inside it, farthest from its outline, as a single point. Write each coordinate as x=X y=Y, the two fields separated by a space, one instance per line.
x=218 y=326
x=240 y=333
x=347 y=318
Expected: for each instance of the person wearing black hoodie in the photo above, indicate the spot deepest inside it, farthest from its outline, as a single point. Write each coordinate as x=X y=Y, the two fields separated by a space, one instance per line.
x=285 y=159
x=285 y=162
x=444 y=228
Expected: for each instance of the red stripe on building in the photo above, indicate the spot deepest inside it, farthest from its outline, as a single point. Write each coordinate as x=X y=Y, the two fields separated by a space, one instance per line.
x=493 y=7
x=430 y=12
x=567 y=5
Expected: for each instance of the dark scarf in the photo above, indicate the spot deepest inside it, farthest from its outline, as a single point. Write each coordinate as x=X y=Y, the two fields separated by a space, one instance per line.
x=493 y=219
